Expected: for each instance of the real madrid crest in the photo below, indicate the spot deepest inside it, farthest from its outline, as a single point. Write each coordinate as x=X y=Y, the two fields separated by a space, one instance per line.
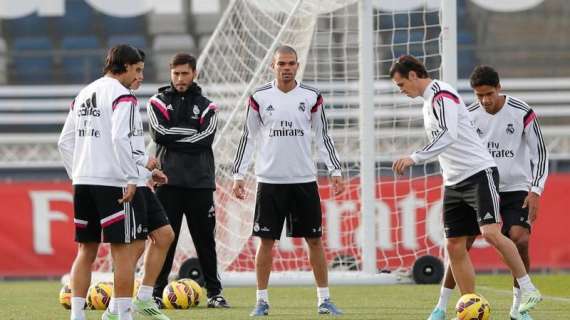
x=302 y=107
x=196 y=111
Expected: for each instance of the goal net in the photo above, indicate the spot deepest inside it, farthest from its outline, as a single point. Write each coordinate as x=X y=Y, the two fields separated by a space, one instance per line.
x=325 y=34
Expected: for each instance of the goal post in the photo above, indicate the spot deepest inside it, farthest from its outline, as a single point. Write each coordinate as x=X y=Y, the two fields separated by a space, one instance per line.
x=377 y=229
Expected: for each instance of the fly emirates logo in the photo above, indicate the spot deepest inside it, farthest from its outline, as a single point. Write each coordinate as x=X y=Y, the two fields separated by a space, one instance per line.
x=497 y=152
x=286 y=130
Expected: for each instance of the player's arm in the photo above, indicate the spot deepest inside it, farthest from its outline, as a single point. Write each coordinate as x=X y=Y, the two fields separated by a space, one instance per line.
x=539 y=159
x=161 y=129
x=208 y=124
x=325 y=145
x=537 y=150
x=246 y=147
x=66 y=142
x=122 y=126
x=445 y=111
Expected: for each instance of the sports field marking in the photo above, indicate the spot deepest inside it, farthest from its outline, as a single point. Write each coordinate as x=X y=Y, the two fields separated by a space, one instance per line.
x=510 y=293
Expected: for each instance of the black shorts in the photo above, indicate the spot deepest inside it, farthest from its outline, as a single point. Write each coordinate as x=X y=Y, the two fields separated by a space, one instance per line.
x=471 y=203
x=512 y=212
x=97 y=212
x=299 y=204
x=156 y=215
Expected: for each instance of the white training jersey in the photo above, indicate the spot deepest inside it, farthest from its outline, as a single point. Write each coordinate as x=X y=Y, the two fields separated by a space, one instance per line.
x=452 y=135
x=282 y=125
x=514 y=139
x=96 y=141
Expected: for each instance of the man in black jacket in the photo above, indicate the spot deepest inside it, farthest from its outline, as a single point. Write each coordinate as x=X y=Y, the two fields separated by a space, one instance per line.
x=183 y=124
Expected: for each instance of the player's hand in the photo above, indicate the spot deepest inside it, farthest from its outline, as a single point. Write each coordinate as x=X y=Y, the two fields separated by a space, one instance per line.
x=337 y=185
x=400 y=165
x=159 y=177
x=239 y=189
x=152 y=163
x=532 y=202
x=129 y=193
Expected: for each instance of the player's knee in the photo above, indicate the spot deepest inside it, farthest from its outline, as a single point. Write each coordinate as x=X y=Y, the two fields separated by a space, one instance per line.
x=455 y=246
x=87 y=252
x=492 y=236
x=521 y=241
x=314 y=242
x=164 y=236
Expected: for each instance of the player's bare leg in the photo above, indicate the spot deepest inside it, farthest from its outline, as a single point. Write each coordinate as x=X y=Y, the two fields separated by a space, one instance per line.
x=447 y=287
x=461 y=265
x=123 y=275
x=520 y=236
x=319 y=264
x=81 y=277
x=263 y=262
x=508 y=251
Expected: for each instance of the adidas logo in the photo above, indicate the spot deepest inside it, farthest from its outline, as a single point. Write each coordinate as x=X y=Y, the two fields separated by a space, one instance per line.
x=488 y=216
x=269 y=108
x=169 y=107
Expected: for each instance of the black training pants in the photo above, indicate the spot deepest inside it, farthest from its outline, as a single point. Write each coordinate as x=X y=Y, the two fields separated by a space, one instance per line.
x=198 y=206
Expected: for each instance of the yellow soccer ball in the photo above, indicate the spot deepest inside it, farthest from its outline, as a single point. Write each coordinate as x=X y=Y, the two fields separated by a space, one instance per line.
x=177 y=295
x=99 y=295
x=198 y=292
x=65 y=296
x=473 y=307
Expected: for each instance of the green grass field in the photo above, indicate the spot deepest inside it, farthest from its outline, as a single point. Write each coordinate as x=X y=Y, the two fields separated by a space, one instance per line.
x=39 y=300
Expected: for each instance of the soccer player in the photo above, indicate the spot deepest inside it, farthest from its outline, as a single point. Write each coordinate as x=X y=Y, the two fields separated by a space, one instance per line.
x=511 y=131
x=471 y=199
x=95 y=145
x=183 y=125
x=280 y=117
x=160 y=233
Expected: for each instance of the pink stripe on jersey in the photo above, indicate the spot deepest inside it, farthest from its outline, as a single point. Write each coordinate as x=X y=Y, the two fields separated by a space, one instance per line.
x=130 y=99
x=211 y=106
x=82 y=224
x=529 y=118
x=161 y=107
x=317 y=104
x=119 y=216
x=253 y=104
x=445 y=94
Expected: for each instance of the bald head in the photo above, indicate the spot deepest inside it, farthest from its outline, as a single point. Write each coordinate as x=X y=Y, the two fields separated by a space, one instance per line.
x=284 y=50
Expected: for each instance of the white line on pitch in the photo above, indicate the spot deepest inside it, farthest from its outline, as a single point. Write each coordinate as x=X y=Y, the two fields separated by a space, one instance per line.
x=559 y=299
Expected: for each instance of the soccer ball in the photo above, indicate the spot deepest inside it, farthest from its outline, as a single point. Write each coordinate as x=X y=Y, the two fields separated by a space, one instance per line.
x=177 y=295
x=472 y=307
x=65 y=297
x=196 y=288
x=99 y=295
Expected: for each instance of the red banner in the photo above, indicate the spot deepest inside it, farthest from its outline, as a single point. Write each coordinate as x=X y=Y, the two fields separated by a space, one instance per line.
x=37 y=227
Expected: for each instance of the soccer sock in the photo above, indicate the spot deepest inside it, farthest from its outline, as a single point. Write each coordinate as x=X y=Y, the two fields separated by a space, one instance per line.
x=77 y=304
x=525 y=283
x=113 y=306
x=323 y=294
x=516 y=298
x=444 y=295
x=262 y=295
x=145 y=292
x=124 y=305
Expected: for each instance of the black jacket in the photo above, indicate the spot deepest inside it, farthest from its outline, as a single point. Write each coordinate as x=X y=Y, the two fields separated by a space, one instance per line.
x=183 y=126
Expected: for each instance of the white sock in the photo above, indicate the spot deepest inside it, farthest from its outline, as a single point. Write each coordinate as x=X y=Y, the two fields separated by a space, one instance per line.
x=525 y=284
x=516 y=298
x=262 y=295
x=444 y=295
x=323 y=294
x=125 y=306
x=113 y=306
x=77 y=305
x=145 y=292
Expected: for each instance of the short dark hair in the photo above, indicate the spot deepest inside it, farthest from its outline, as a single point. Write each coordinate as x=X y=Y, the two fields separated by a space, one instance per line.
x=121 y=55
x=408 y=63
x=285 y=49
x=484 y=76
x=183 y=58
